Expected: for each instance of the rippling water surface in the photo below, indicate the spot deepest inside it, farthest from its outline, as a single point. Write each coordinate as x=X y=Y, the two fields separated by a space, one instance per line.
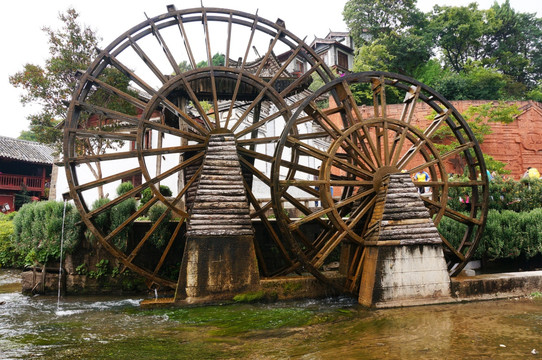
x=106 y=327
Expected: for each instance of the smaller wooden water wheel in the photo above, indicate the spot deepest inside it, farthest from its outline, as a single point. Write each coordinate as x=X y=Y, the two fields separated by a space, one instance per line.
x=347 y=150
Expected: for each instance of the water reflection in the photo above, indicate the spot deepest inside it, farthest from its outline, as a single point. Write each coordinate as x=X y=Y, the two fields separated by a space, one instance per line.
x=98 y=328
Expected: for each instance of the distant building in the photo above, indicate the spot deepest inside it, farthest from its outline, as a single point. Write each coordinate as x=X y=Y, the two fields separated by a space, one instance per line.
x=336 y=50
x=25 y=166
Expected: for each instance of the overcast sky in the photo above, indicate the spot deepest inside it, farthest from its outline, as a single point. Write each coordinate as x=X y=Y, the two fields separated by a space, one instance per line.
x=22 y=40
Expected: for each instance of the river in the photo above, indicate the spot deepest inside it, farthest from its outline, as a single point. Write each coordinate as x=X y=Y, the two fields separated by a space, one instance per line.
x=116 y=328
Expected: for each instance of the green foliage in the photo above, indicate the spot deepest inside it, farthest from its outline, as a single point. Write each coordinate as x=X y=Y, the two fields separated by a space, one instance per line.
x=478 y=118
x=119 y=213
x=9 y=256
x=517 y=196
x=369 y=19
x=146 y=194
x=124 y=187
x=28 y=135
x=163 y=233
x=22 y=197
x=112 y=218
x=256 y=296
x=37 y=230
x=504 y=194
x=217 y=60
x=71 y=48
x=536 y=93
x=507 y=234
x=458 y=30
x=489 y=54
x=102 y=221
x=102 y=270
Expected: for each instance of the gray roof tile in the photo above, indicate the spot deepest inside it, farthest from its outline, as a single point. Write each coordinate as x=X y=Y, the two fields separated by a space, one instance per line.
x=24 y=150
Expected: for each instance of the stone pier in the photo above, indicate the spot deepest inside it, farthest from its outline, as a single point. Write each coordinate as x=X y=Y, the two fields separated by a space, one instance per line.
x=219 y=259
x=404 y=262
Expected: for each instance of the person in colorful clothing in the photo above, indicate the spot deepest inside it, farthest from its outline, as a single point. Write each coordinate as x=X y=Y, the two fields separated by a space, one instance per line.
x=531 y=173
x=421 y=176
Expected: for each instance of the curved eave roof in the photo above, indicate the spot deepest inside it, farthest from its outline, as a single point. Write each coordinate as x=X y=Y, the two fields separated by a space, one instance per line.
x=27 y=151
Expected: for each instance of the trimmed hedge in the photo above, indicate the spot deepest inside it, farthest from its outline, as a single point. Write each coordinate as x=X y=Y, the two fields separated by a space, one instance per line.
x=507 y=235
x=37 y=231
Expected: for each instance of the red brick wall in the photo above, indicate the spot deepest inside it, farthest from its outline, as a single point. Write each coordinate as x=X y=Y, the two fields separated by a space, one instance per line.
x=518 y=144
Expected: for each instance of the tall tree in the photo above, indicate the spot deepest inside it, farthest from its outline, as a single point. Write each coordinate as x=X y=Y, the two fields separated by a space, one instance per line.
x=458 y=33
x=513 y=43
x=71 y=48
x=370 y=19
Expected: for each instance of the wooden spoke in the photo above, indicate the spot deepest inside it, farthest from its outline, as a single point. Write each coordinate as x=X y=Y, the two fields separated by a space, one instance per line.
x=269 y=159
x=380 y=111
x=98 y=134
x=168 y=247
x=452 y=214
x=260 y=140
x=155 y=70
x=183 y=116
x=320 y=213
x=354 y=272
x=459 y=256
x=238 y=83
x=335 y=132
x=443 y=157
x=121 y=94
x=301 y=79
x=271 y=231
x=228 y=42
x=142 y=210
x=110 y=114
x=304 y=183
x=259 y=124
x=126 y=71
x=146 y=184
x=319 y=154
x=174 y=64
x=173 y=131
x=133 y=154
x=184 y=215
x=351 y=107
x=107 y=180
x=211 y=71
x=185 y=41
x=437 y=122
x=269 y=52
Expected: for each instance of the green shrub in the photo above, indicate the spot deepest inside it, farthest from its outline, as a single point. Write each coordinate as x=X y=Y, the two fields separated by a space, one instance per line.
x=119 y=214
x=146 y=194
x=162 y=233
x=9 y=256
x=124 y=187
x=37 y=230
x=507 y=234
x=102 y=221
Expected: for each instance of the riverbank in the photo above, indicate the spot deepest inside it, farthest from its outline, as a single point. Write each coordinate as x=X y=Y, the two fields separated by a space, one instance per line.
x=91 y=327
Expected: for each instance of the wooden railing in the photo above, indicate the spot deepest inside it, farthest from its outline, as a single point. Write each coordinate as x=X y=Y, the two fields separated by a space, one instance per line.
x=17 y=182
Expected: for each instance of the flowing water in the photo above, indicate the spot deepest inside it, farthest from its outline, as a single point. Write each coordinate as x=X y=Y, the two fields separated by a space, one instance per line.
x=116 y=328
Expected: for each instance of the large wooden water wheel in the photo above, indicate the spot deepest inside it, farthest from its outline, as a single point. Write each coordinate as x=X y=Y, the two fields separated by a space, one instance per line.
x=367 y=143
x=144 y=111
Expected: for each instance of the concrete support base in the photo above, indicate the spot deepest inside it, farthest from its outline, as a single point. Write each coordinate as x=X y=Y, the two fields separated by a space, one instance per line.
x=404 y=276
x=404 y=261
x=217 y=268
